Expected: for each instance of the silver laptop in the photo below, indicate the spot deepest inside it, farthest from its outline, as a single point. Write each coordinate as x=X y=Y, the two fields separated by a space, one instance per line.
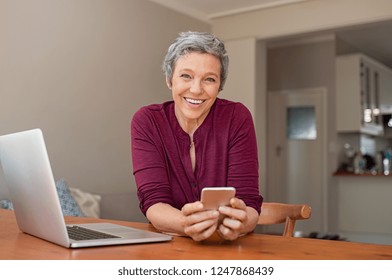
x=37 y=208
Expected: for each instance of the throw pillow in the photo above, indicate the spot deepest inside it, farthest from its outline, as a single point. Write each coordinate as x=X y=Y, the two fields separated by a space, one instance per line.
x=88 y=202
x=69 y=206
x=6 y=204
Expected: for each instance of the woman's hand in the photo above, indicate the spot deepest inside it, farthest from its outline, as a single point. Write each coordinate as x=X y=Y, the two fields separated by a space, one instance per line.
x=239 y=219
x=198 y=223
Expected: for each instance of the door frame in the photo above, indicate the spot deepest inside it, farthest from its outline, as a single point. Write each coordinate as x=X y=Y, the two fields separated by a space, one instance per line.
x=324 y=127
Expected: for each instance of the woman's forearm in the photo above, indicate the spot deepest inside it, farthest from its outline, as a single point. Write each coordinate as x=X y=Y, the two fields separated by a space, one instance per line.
x=251 y=223
x=166 y=218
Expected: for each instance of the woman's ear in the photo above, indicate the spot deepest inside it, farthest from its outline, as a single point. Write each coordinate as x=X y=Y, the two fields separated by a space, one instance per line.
x=169 y=84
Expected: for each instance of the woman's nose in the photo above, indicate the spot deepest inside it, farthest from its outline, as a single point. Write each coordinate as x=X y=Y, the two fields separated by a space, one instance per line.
x=196 y=87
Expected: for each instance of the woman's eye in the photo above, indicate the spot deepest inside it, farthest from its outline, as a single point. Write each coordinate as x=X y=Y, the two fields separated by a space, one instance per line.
x=185 y=76
x=212 y=80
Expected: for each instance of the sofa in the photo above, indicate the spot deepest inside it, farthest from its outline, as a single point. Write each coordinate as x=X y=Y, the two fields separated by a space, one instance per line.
x=76 y=202
x=121 y=206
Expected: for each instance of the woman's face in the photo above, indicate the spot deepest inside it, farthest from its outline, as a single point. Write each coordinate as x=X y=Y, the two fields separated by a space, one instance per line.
x=195 y=86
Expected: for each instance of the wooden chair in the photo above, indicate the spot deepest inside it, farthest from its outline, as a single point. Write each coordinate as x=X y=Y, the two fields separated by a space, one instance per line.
x=278 y=213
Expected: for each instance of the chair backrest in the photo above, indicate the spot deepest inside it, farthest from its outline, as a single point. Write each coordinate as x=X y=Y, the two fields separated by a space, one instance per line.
x=278 y=213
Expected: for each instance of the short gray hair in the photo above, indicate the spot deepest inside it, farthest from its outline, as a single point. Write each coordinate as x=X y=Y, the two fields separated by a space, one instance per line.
x=201 y=42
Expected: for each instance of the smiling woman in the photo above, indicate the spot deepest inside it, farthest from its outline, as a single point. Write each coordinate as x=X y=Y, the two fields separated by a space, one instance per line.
x=196 y=141
x=195 y=84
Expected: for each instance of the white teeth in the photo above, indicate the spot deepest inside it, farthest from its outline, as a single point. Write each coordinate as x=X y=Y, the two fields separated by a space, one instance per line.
x=194 y=101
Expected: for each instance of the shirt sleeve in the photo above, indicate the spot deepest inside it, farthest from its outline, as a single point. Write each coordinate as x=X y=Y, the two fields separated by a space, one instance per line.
x=148 y=160
x=243 y=166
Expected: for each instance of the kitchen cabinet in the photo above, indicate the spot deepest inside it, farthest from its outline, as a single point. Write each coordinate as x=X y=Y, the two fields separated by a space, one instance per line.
x=363 y=92
x=386 y=90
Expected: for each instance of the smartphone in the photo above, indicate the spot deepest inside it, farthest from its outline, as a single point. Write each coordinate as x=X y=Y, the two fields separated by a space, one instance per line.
x=213 y=197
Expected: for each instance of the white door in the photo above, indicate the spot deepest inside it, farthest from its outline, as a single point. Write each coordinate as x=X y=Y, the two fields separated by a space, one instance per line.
x=296 y=168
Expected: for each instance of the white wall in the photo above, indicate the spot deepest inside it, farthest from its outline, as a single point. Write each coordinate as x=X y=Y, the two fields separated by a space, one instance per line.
x=79 y=70
x=304 y=66
x=309 y=18
x=302 y=17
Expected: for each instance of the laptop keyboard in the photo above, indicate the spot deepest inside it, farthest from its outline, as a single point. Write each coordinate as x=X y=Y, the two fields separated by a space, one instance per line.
x=80 y=233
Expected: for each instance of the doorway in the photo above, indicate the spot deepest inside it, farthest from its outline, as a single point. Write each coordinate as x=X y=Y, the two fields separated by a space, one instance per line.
x=296 y=169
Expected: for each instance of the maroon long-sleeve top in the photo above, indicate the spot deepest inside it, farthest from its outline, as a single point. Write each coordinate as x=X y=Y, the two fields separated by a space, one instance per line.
x=226 y=155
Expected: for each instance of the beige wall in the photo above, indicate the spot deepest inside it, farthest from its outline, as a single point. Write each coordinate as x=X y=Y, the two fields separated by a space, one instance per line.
x=246 y=78
x=245 y=68
x=79 y=69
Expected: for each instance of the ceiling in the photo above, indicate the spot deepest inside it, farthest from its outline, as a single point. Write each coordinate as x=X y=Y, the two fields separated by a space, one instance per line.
x=374 y=39
x=208 y=9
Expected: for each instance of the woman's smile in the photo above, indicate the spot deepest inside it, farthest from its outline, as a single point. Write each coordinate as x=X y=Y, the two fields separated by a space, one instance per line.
x=194 y=101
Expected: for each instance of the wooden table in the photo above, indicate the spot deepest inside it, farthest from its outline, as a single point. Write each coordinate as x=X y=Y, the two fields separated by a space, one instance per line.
x=15 y=245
